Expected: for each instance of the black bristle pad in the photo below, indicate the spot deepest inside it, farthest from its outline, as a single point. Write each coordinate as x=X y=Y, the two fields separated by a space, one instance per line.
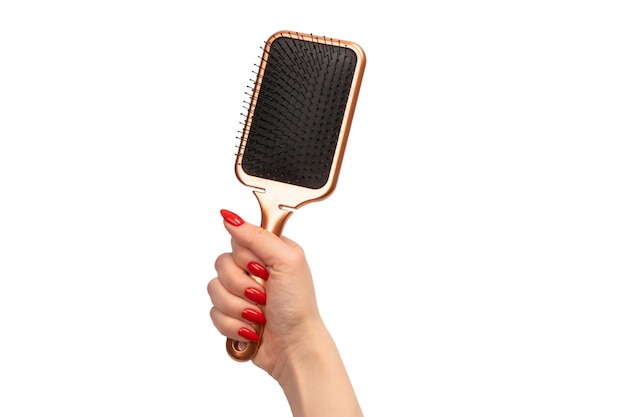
x=299 y=111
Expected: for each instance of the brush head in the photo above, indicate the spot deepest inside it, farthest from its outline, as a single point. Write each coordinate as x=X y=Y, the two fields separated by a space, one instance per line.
x=299 y=116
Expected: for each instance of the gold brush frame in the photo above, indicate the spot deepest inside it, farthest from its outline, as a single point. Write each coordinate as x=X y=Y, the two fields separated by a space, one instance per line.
x=277 y=199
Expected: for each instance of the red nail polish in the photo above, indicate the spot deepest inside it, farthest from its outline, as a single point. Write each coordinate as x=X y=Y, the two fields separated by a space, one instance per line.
x=258 y=270
x=248 y=334
x=255 y=295
x=231 y=218
x=253 y=316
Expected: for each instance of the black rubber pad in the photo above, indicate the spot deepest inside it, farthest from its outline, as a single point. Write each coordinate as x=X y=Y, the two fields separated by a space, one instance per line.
x=299 y=111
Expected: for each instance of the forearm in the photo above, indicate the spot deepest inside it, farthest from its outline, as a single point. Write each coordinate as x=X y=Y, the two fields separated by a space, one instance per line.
x=315 y=380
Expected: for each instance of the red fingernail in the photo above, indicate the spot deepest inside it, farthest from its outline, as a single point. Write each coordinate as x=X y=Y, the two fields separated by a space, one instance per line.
x=253 y=316
x=255 y=295
x=258 y=270
x=231 y=218
x=248 y=334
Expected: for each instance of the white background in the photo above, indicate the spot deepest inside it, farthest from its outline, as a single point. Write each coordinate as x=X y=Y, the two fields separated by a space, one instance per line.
x=470 y=262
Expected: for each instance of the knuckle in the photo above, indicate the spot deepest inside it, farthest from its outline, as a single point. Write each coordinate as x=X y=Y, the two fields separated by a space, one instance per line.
x=219 y=261
x=297 y=253
x=213 y=313
x=211 y=286
x=294 y=255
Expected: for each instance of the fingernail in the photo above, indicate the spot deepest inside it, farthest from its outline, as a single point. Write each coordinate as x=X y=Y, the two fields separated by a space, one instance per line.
x=231 y=218
x=253 y=316
x=255 y=295
x=248 y=334
x=258 y=270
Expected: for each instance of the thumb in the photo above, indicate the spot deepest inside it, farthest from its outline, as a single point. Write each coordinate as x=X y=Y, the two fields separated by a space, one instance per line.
x=263 y=243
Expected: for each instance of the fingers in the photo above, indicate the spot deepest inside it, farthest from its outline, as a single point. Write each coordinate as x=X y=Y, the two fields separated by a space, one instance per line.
x=233 y=276
x=225 y=301
x=237 y=300
x=232 y=316
x=227 y=325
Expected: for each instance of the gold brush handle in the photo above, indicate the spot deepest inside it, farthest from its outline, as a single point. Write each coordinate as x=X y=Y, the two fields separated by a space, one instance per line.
x=273 y=218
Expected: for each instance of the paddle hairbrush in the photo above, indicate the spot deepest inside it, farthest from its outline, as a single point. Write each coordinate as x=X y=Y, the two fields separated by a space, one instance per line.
x=295 y=133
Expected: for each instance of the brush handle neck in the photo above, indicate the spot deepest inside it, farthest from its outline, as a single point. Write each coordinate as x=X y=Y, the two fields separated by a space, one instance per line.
x=273 y=218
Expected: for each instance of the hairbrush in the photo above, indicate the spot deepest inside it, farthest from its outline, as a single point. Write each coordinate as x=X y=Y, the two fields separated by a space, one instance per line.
x=295 y=133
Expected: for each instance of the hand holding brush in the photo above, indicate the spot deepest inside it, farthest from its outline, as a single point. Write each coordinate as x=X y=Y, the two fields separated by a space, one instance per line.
x=297 y=349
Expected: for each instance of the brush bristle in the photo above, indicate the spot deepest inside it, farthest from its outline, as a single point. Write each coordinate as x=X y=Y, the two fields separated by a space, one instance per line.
x=298 y=111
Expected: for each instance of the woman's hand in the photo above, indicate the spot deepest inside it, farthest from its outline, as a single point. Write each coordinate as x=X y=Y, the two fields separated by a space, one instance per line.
x=291 y=314
x=296 y=349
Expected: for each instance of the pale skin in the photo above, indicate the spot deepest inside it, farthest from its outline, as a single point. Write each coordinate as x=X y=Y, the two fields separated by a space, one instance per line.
x=297 y=350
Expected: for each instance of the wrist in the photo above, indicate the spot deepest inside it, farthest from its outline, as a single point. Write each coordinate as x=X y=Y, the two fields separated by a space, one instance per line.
x=302 y=355
x=314 y=379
